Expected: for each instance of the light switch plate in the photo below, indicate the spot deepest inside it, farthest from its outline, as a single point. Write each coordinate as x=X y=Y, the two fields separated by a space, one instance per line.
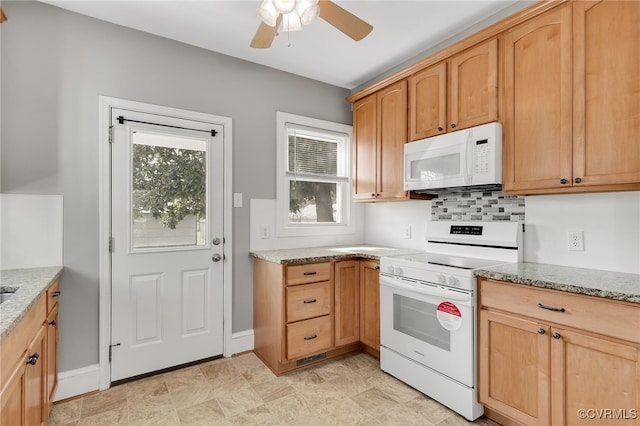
x=237 y=199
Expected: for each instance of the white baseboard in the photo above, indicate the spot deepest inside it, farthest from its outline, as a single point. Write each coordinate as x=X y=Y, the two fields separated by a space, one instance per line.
x=77 y=382
x=242 y=341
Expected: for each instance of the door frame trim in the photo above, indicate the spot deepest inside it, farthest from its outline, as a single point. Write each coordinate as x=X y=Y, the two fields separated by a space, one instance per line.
x=106 y=104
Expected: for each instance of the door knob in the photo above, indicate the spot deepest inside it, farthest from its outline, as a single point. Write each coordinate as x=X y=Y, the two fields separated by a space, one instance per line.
x=216 y=257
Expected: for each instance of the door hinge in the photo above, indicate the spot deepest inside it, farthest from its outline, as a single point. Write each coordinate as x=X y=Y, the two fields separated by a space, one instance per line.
x=111 y=350
x=111 y=134
x=111 y=243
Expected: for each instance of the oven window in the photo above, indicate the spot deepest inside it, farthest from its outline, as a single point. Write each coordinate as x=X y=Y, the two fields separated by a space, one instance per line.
x=418 y=319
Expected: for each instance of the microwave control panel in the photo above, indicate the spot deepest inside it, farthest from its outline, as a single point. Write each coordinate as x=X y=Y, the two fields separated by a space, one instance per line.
x=481 y=157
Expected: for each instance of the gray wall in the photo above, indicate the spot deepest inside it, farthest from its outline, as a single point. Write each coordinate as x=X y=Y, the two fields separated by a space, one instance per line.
x=56 y=63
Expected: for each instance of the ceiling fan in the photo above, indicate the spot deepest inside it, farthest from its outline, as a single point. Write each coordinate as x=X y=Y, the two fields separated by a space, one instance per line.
x=292 y=14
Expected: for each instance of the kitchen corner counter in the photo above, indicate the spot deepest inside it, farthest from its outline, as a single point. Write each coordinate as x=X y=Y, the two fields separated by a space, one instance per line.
x=29 y=284
x=591 y=282
x=328 y=253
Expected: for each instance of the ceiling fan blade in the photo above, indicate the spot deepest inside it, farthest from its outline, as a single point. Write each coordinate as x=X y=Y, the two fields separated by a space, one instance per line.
x=343 y=20
x=3 y=17
x=265 y=35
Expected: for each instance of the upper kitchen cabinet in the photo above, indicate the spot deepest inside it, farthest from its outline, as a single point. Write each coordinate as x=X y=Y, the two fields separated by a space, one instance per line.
x=455 y=94
x=572 y=100
x=380 y=132
x=606 y=93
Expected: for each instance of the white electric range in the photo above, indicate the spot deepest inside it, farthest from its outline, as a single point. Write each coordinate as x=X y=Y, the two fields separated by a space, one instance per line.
x=428 y=309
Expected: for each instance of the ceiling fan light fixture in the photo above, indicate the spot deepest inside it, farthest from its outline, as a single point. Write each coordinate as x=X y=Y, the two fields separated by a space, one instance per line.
x=284 y=6
x=308 y=10
x=268 y=13
x=291 y=22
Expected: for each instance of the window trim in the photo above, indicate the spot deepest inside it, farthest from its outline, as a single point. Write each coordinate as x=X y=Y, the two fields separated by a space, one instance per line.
x=283 y=227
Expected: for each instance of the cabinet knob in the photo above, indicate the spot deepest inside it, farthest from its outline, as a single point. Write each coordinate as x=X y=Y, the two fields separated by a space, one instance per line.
x=440 y=129
x=563 y=181
x=377 y=268
x=541 y=331
x=33 y=359
x=52 y=322
x=556 y=335
x=453 y=126
x=56 y=294
x=373 y=194
x=577 y=180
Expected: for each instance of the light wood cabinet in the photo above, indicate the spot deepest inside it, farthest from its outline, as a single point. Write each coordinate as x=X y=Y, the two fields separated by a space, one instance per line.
x=579 y=352
x=370 y=306
x=572 y=100
x=380 y=132
x=28 y=372
x=347 y=302
x=455 y=94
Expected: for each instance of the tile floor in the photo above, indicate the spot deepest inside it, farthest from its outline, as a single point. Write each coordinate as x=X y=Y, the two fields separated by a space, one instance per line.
x=243 y=391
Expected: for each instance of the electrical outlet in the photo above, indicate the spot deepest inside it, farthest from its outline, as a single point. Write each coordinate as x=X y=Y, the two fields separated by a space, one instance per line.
x=265 y=233
x=576 y=240
x=407 y=232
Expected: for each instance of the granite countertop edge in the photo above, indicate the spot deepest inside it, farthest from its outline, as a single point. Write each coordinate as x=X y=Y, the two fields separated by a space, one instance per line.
x=328 y=253
x=591 y=282
x=28 y=284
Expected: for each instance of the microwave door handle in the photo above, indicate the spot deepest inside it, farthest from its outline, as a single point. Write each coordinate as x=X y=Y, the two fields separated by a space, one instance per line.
x=466 y=161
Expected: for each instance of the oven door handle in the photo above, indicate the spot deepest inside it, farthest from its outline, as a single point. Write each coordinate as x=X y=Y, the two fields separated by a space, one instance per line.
x=426 y=290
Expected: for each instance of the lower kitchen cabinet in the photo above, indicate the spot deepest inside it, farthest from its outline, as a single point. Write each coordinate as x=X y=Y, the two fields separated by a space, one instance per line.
x=347 y=302
x=370 y=306
x=548 y=357
x=28 y=370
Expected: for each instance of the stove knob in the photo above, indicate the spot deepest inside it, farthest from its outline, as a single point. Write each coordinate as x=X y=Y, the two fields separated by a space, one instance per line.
x=390 y=269
x=451 y=280
x=399 y=271
x=441 y=279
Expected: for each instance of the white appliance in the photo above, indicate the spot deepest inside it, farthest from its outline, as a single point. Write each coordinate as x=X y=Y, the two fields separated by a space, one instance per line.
x=466 y=158
x=428 y=309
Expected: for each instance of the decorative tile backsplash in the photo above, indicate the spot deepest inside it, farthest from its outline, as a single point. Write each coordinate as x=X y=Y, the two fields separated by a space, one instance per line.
x=478 y=206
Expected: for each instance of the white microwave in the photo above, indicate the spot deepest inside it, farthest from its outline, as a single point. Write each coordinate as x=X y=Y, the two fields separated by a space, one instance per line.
x=466 y=158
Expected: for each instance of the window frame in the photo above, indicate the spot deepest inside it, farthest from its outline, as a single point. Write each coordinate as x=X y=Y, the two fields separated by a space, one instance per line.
x=284 y=227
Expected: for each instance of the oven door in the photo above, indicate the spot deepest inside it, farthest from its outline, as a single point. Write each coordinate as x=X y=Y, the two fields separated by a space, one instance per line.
x=430 y=324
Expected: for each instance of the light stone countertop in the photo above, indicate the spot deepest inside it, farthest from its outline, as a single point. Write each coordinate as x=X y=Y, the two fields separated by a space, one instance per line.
x=327 y=253
x=591 y=282
x=29 y=284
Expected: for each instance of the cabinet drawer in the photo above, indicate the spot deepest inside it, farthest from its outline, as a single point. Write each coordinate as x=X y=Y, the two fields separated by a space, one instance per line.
x=308 y=337
x=53 y=293
x=598 y=315
x=308 y=301
x=308 y=273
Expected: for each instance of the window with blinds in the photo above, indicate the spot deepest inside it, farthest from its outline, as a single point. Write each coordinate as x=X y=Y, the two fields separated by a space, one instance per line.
x=317 y=175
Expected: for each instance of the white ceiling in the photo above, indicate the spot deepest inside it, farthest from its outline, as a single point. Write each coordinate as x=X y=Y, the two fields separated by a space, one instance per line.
x=401 y=30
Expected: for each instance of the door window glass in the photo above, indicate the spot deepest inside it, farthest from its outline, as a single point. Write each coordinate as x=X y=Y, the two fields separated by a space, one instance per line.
x=169 y=190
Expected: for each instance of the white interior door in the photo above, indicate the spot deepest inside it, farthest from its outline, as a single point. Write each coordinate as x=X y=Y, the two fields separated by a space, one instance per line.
x=167 y=251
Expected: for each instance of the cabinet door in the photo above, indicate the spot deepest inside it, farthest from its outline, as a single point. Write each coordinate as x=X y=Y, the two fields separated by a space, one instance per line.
x=593 y=373
x=392 y=135
x=473 y=86
x=52 y=355
x=365 y=144
x=513 y=359
x=347 y=302
x=34 y=376
x=428 y=102
x=12 y=397
x=606 y=109
x=537 y=141
x=370 y=304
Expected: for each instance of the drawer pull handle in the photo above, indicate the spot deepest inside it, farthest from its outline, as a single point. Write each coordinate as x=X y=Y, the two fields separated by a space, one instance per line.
x=310 y=273
x=556 y=335
x=550 y=308
x=311 y=337
x=56 y=294
x=310 y=301
x=541 y=331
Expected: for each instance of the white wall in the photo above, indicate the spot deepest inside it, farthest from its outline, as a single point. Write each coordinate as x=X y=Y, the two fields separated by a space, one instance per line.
x=610 y=222
x=30 y=231
x=263 y=215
